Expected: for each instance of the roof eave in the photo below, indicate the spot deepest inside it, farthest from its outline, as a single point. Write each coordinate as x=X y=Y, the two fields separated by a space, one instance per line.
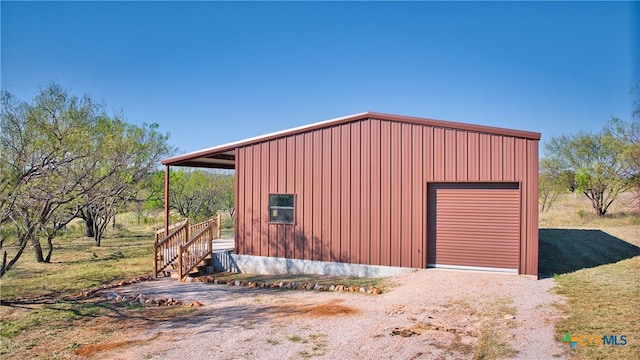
x=190 y=159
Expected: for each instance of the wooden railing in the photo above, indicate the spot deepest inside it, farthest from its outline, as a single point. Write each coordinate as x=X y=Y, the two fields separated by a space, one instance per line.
x=186 y=246
x=166 y=250
x=196 y=249
x=159 y=234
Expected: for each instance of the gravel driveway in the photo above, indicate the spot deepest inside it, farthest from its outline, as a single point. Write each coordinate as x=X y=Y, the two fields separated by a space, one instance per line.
x=427 y=314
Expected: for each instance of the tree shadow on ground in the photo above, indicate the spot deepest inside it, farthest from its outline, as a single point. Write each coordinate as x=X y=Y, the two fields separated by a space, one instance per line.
x=563 y=251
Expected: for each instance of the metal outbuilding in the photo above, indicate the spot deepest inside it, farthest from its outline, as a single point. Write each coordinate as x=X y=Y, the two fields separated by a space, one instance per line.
x=381 y=189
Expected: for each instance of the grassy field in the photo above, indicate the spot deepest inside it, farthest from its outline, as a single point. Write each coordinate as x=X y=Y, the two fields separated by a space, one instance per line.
x=596 y=263
x=41 y=316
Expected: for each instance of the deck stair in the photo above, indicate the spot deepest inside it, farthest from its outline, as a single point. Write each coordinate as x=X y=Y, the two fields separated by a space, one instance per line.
x=186 y=249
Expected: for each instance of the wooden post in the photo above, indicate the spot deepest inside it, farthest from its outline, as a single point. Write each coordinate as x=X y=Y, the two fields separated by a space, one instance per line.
x=180 y=262
x=155 y=258
x=166 y=201
x=219 y=225
x=211 y=242
x=187 y=229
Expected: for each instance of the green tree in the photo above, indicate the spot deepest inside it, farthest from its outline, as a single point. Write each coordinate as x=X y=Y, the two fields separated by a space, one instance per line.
x=627 y=135
x=148 y=195
x=127 y=154
x=62 y=157
x=553 y=182
x=43 y=147
x=194 y=194
x=227 y=195
x=600 y=170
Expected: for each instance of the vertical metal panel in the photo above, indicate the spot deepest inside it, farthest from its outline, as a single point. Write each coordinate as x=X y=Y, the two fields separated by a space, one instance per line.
x=253 y=192
x=272 y=175
x=531 y=209
x=354 y=253
x=336 y=193
x=429 y=154
x=385 y=193
x=345 y=229
x=521 y=174
x=395 y=193
x=317 y=205
x=263 y=198
x=521 y=156
x=418 y=206
x=427 y=176
x=325 y=203
x=247 y=166
x=473 y=159
x=300 y=240
x=280 y=189
x=450 y=155
x=484 y=154
x=496 y=158
x=336 y=204
x=508 y=165
x=281 y=168
x=247 y=204
x=438 y=154
x=239 y=200
x=376 y=174
x=290 y=189
x=406 y=205
x=462 y=156
x=307 y=194
x=365 y=192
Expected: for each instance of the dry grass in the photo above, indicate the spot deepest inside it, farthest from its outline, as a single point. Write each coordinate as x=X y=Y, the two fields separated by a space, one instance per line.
x=575 y=211
x=85 y=326
x=40 y=314
x=492 y=339
x=597 y=266
x=77 y=264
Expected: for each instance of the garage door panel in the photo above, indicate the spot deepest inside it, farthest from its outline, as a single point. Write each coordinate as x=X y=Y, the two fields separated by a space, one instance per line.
x=474 y=225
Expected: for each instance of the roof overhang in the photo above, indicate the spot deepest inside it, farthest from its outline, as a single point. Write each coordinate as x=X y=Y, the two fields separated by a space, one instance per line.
x=223 y=156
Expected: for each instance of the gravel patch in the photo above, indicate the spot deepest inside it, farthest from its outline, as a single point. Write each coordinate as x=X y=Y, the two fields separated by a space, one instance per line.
x=427 y=314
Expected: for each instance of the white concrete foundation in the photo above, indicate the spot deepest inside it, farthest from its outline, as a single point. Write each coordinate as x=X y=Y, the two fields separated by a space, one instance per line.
x=226 y=261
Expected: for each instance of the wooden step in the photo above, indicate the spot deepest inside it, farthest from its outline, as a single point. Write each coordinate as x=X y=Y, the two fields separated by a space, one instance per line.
x=199 y=270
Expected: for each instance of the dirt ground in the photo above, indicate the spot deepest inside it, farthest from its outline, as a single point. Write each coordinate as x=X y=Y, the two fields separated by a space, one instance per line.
x=426 y=314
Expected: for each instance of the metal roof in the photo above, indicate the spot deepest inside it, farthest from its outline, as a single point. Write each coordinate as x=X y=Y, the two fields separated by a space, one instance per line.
x=223 y=156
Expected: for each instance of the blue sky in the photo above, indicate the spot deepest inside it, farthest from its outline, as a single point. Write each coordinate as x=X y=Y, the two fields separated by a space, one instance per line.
x=215 y=72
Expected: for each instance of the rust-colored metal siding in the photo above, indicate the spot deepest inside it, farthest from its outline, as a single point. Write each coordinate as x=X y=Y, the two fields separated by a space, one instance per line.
x=474 y=225
x=361 y=188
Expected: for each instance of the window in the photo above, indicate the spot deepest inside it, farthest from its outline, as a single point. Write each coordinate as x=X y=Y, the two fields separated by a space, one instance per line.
x=282 y=208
